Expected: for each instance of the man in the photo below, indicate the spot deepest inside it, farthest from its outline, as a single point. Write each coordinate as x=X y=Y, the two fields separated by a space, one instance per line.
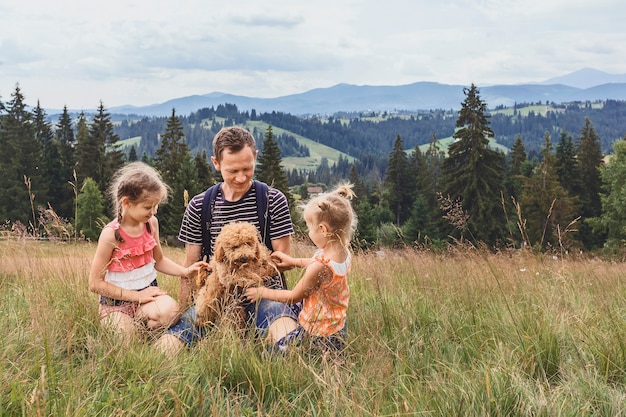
x=234 y=155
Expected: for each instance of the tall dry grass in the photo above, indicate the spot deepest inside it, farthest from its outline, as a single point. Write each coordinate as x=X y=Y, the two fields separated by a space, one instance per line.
x=456 y=333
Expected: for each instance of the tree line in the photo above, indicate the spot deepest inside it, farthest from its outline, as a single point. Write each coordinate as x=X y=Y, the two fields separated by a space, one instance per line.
x=54 y=175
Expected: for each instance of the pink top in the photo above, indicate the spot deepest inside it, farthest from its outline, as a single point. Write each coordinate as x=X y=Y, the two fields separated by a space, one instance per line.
x=134 y=252
x=324 y=311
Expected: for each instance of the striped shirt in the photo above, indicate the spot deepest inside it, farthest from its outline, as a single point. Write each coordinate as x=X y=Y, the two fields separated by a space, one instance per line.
x=243 y=210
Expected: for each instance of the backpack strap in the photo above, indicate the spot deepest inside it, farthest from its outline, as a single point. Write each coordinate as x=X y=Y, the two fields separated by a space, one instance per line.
x=263 y=211
x=206 y=217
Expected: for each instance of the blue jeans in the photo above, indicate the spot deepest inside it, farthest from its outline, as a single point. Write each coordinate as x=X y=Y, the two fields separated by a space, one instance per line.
x=262 y=313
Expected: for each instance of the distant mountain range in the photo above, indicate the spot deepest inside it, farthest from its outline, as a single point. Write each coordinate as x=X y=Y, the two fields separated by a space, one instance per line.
x=585 y=84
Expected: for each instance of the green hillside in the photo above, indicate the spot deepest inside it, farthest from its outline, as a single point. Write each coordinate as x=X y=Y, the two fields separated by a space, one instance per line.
x=317 y=150
x=445 y=142
x=127 y=143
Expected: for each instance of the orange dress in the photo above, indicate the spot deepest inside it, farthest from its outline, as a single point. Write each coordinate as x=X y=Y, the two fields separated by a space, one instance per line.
x=324 y=311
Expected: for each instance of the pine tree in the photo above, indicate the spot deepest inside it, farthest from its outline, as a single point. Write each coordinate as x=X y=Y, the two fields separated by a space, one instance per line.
x=473 y=173
x=21 y=153
x=566 y=165
x=423 y=222
x=546 y=207
x=48 y=158
x=103 y=133
x=366 y=228
x=172 y=151
x=398 y=183
x=204 y=170
x=64 y=142
x=431 y=183
x=269 y=169
x=89 y=153
x=590 y=160
x=174 y=163
x=90 y=217
x=518 y=156
x=612 y=221
x=132 y=154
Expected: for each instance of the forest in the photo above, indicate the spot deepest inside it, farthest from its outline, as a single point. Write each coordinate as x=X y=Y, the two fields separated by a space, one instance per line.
x=421 y=179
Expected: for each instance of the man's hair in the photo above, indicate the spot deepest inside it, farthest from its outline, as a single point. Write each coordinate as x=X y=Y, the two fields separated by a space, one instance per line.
x=234 y=138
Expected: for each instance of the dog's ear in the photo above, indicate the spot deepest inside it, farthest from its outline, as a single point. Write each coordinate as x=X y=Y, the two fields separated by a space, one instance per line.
x=259 y=251
x=219 y=253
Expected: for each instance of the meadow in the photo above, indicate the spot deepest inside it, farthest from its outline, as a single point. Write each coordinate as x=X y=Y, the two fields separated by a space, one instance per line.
x=462 y=333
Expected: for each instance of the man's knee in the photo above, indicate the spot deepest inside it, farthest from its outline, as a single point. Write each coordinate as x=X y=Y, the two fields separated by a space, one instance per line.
x=280 y=327
x=169 y=344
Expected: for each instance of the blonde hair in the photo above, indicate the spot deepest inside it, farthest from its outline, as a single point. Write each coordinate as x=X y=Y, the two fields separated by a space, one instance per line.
x=335 y=209
x=138 y=182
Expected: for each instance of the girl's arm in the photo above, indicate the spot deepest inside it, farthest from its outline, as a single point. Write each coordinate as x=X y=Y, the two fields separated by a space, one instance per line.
x=284 y=260
x=315 y=274
x=166 y=265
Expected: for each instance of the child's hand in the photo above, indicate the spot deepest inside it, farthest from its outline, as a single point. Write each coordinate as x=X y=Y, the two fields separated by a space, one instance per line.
x=150 y=294
x=281 y=259
x=254 y=294
x=197 y=267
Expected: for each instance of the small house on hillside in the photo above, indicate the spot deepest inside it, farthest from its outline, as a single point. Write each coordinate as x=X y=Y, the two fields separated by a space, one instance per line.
x=314 y=191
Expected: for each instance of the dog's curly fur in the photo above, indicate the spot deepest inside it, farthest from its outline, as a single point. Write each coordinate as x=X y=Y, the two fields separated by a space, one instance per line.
x=239 y=261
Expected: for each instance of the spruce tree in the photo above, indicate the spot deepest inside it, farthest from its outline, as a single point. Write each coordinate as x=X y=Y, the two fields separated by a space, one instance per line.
x=204 y=170
x=91 y=210
x=48 y=157
x=431 y=184
x=366 y=228
x=515 y=162
x=103 y=134
x=64 y=143
x=418 y=217
x=612 y=221
x=566 y=164
x=172 y=151
x=21 y=157
x=590 y=160
x=89 y=154
x=546 y=208
x=399 y=185
x=132 y=154
x=174 y=163
x=473 y=173
x=518 y=156
x=269 y=169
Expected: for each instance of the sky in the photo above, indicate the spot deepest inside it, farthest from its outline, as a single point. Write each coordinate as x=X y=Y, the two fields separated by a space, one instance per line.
x=78 y=53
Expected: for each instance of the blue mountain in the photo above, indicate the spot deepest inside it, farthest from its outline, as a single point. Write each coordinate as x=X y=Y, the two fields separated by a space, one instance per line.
x=418 y=96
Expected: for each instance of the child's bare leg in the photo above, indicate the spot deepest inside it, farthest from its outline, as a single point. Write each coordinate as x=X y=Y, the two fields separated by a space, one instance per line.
x=121 y=323
x=169 y=344
x=160 y=313
x=280 y=327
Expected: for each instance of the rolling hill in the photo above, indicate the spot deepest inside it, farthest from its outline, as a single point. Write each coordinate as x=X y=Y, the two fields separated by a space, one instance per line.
x=418 y=96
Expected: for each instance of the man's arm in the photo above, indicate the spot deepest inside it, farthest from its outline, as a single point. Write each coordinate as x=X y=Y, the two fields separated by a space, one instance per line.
x=192 y=254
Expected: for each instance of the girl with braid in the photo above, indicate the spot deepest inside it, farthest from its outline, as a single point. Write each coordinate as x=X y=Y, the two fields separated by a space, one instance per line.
x=323 y=289
x=129 y=254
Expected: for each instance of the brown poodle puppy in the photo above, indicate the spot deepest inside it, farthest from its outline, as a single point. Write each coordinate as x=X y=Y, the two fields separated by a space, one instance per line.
x=239 y=261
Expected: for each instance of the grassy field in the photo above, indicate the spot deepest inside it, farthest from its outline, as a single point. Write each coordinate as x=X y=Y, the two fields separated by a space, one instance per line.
x=461 y=333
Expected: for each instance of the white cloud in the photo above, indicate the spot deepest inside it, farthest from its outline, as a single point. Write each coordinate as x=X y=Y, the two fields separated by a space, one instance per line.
x=70 y=52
